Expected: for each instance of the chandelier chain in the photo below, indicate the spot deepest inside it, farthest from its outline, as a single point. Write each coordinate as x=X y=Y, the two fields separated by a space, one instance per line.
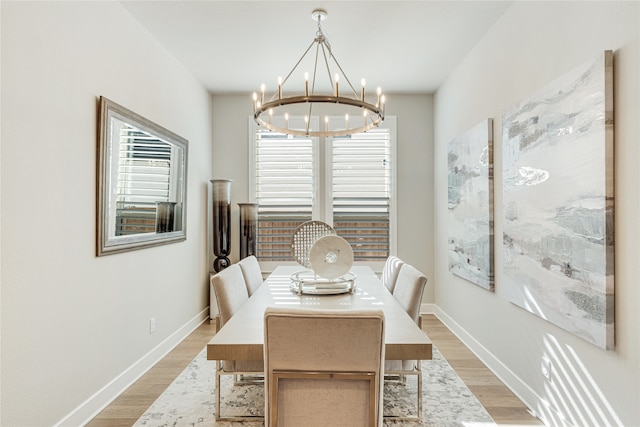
x=342 y=71
x=326 y=63
x=313 y=81
x=294 y=68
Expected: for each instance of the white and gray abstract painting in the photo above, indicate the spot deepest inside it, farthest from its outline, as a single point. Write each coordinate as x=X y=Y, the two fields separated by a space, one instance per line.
x=558 y=240
x=470 y=176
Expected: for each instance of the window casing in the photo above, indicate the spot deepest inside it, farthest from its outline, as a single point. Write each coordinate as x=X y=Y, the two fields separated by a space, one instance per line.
x=347 y=182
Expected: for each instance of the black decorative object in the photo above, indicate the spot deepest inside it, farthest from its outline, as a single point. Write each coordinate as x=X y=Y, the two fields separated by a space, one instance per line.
x=165 y=216
x=248 y=229
x=221 y=223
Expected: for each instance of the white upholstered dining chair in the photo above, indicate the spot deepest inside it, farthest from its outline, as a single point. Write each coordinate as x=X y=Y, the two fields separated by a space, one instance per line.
x=231 y=293
x=323 y=367
x=390 y=272
x=408 y=291
x=251 y=272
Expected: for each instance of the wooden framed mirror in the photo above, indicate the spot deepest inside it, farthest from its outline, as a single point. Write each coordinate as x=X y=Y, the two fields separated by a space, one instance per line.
x=142 y=182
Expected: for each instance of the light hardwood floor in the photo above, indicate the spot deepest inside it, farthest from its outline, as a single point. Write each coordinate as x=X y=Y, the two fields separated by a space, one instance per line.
x=503 y=406
x=500 y=402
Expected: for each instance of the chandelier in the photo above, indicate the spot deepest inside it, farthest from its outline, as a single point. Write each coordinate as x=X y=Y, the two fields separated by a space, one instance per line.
x=359 y=115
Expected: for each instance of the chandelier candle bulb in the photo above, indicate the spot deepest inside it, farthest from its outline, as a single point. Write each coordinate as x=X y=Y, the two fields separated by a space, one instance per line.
x=363 y=83
x=346 y=121
x=326 y=123
x=379 y=93
x=306 y=84
x=286 y=120
x=279 y=87
x=337 y=78
x=262 y=88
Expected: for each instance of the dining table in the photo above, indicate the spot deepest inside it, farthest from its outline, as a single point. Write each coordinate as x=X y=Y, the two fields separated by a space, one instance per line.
x=242 y=336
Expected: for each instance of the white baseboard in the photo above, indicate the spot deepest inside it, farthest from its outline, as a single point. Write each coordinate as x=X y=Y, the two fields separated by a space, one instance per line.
x=103 y=397
x=525 y=393
x=428 y=308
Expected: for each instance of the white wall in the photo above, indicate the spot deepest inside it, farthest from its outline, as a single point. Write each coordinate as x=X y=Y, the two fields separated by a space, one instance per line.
x=415 y=169
x=72 y=322
x=532 y=44
x=415 y=183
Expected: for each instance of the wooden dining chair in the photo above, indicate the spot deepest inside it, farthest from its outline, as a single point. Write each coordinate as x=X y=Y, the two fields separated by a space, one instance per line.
x=390 y=272
x=231 y=293
x=252 y=273
x=408 y=291
x=323 y=367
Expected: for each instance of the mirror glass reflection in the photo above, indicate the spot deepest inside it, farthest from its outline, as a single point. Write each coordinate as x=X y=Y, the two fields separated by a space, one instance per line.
x=142 y=200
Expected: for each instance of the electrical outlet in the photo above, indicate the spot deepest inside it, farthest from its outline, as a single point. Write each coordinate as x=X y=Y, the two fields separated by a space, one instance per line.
x=152 y=325
x=546 y=368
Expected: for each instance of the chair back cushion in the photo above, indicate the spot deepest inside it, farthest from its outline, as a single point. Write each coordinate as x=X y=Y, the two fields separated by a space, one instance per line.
x=408 y=290
x=252 y=273
x=323 y=341
x=390 y=272
x=231 y=291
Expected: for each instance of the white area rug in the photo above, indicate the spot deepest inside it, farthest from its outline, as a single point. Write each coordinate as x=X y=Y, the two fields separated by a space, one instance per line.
x=190 y=399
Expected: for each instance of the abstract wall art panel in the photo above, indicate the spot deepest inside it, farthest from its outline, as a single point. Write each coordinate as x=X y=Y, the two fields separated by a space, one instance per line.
x=470 y=176
x=558 y=237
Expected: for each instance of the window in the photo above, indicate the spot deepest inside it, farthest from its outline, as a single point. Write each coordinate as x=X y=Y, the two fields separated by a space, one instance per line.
x=285 y=189
x=347 y=182
x=361 y=192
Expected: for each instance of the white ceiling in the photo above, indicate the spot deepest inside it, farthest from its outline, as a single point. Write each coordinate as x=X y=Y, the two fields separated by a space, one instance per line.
x=402 y=46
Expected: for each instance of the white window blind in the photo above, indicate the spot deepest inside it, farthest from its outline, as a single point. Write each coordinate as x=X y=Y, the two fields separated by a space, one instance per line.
x=144 y=165
x=284 y=189
x=361 y=192
x=347 y=182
